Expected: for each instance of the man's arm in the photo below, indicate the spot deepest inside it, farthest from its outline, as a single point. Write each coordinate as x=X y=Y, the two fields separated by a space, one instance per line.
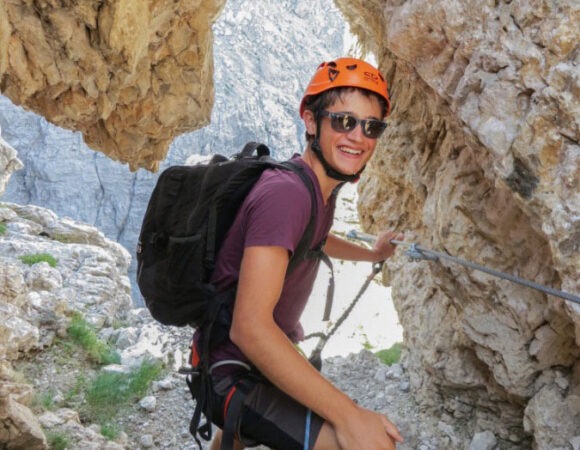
x=342 y=249
x=255 y=332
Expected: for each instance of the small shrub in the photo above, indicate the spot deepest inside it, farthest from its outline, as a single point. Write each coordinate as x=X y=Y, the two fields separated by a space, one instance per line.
x=390 y=355
x=110 y=430
x=2 y=228
x=45 y=400
x=140 y=380
x=39 y=257
x=84 y=335
x=57 y=441
x=110 y=392
x=63 y=349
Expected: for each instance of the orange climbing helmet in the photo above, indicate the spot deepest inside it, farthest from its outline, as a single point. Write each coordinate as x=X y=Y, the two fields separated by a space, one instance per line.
x=347 y=72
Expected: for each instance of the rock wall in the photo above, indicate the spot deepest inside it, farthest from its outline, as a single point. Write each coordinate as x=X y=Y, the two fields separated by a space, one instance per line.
x=9 y=162
x=113 y=199
x=37 y=300
x=482 y=161
x=130 y=75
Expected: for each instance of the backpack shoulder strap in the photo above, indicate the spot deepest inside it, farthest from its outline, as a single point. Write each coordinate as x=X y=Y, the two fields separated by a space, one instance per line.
x=303 y=249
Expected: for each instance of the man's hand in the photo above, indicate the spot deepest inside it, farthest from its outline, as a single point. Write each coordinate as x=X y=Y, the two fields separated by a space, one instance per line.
x=368 y=430
x=383 y=247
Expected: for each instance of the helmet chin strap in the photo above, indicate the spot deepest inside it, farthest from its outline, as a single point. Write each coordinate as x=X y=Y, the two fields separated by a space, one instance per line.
x=330 y=171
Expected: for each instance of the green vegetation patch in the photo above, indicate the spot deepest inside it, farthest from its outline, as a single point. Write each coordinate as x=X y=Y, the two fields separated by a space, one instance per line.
x=111 y=430
x=83 y=334
x=2 y=228
x=57 y=441
x=45 y=400
x=100 y=396
x=110 y=392
x=390 y=355
x=39 y=257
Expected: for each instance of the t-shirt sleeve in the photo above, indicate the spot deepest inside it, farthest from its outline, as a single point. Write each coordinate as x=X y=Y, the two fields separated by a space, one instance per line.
x=278 y=211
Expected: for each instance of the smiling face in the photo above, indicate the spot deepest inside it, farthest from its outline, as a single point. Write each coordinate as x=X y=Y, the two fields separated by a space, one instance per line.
x=347 y=152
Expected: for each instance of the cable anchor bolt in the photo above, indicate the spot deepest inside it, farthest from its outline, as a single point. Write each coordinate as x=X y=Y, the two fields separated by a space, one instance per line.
x=416 y=254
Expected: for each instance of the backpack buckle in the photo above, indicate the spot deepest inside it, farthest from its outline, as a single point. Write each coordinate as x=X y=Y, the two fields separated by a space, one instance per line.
x=189 y=370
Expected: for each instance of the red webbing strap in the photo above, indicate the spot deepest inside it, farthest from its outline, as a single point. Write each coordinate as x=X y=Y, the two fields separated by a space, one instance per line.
x=232 y=410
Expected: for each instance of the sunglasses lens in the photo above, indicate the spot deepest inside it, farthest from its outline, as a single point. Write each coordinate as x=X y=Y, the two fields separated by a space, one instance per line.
x=373 y=128
x=343 y=123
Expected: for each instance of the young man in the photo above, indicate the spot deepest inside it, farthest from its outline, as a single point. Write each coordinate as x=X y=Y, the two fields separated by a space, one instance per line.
x=343 y=110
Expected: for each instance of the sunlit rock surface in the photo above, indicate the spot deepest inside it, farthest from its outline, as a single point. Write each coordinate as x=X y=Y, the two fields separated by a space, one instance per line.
x=482 y=161
x=130 y=74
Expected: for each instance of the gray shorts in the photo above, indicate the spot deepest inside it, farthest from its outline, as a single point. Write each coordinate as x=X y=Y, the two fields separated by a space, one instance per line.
x=269 y=416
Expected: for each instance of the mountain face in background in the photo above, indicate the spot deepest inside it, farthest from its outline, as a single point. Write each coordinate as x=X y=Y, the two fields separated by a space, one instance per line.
x=265 y=53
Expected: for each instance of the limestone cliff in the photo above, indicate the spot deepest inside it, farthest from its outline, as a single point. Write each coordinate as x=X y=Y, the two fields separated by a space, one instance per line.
x=88 y=275
x=481 y=160
x=9 y=163
x=131 y=75
x=245 y=51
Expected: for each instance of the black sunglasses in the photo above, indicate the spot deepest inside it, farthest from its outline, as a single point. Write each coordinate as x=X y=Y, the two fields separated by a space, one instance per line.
x=345 y=123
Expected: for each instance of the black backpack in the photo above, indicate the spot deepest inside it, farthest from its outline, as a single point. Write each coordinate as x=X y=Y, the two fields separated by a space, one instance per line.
x=187 y=218
x=188 y=215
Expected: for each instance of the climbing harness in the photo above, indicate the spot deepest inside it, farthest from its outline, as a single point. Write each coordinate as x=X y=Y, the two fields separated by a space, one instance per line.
x=417 y=252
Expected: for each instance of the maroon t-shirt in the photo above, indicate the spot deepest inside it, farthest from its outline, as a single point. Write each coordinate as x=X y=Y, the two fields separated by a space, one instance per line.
x=275 y=213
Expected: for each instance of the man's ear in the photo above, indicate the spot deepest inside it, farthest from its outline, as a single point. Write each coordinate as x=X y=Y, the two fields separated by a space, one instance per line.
x=309 y=122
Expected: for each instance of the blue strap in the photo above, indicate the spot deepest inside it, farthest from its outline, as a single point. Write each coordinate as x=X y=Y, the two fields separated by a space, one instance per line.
x=307 y=432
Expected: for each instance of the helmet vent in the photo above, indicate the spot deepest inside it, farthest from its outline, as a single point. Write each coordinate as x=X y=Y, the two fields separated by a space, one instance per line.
x=332 y=74
x=351 y=67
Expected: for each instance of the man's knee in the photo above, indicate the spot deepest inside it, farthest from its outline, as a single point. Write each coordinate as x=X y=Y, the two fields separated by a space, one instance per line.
x=217 y=442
